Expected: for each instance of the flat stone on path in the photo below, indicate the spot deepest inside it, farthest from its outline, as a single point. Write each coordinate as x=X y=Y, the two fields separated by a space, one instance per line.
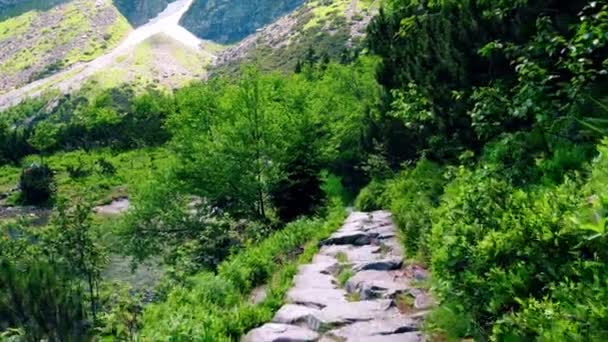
x=299 y=315
x=389 y=264
x=357 y=238
x=277 y=332
x=366 y=309
x=316 y=298
x=378 y=329
x=377 y=284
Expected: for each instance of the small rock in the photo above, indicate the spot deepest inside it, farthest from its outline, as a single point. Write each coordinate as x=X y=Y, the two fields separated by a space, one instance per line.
x=424 y=301
x=421 y=274
x=356 y=238
x=258 y=295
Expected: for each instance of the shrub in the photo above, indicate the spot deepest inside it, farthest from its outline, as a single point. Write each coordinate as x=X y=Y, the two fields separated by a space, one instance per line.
x=497 y=249
x=36 y=184
x=574 y=311
x=371 y=197
x=413 y=195
x=106 y=167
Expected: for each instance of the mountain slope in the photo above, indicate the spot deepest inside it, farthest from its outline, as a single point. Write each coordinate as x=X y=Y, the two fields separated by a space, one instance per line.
x=229 y=21
x=138 y=12
x=76 y=41
x=37 y=43
x=318 y=29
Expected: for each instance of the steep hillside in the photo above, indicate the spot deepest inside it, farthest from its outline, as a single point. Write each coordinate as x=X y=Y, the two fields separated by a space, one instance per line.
x=318 y=29
x=229 y=21
x=38 y=43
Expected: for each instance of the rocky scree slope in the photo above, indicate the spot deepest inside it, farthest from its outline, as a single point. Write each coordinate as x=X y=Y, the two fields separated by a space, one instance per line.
x=357 y=288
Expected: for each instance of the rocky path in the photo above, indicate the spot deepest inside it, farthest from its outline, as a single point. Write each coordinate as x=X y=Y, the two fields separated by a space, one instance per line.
x=357 y=288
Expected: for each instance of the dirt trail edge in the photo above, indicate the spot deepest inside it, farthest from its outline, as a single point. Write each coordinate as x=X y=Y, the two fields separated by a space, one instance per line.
x=357 y=288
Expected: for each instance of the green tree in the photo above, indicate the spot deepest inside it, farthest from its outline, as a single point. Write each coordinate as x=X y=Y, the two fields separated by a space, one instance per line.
x=237 y=156
x=40 y=298
x=74 y=239
x=44 y=138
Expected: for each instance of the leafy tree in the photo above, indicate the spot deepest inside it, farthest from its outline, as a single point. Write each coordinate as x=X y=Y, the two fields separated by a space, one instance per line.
x=238 y=155
x=44 y=138
x=75 y=241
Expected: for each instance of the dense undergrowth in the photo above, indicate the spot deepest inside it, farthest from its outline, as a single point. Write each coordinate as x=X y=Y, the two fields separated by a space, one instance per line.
x=508 y=262
x=505 y=202
x=218 y=307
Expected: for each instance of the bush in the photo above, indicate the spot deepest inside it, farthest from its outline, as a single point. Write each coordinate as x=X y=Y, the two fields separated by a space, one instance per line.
x=413 y=195
x=36 y=184
x=371 y=197
x=574 y=311
x=498 y=250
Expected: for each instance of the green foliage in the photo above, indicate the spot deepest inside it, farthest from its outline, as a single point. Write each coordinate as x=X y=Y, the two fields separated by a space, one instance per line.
x=371 y=197
x=411 y=196
x=459 y=73
x=36 y=184
x=45 y=273
x=265 y=139
x=44 y=137
x=116 y=118
x=38 y=297
x=216 y=307
x=76 y=243
x=123 y=319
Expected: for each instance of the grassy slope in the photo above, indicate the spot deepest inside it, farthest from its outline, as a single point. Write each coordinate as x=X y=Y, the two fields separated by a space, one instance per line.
x=131 y=168
x=157 y=61
x=38 y=43
x=326 y=26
